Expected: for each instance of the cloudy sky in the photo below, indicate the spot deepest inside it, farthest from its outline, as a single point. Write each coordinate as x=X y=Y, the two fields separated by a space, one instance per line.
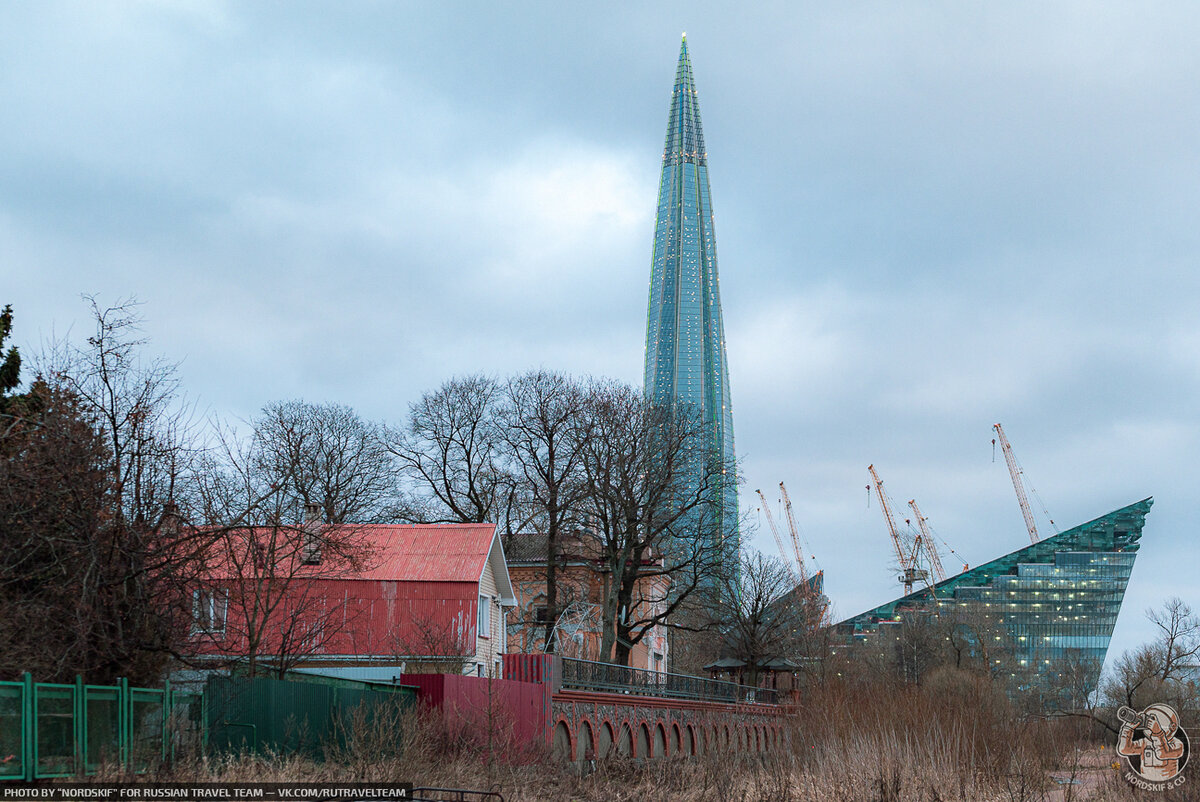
x=930 y=218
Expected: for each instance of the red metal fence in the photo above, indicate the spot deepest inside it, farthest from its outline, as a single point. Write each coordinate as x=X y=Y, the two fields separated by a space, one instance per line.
x=501 y=713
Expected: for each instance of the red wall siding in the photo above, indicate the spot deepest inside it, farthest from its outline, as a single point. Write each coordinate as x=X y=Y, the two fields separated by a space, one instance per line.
x=369 y=617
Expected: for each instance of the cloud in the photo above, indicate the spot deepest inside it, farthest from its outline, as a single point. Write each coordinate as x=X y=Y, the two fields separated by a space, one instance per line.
x=929 y=220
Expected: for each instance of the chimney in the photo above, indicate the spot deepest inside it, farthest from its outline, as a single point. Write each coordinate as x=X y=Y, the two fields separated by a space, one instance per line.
x=171 y=519
x=310 y=553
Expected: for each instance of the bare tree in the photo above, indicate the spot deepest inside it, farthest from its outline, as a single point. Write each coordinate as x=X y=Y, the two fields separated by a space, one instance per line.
x=264 y=600
x=101 y=445
x=429 y=646
x=135 y=404
x=451 y=449
x=545 y=432
x=1178 y=636
x=650 y=476
x=1155 y=671
x=328 y=456
x=763 y=614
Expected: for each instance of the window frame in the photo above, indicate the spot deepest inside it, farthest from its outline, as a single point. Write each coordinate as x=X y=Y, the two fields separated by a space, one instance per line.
x=210 y=602
x=483 y=617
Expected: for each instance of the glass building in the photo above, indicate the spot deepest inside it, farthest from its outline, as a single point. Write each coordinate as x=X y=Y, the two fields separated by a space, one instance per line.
x=1057 y=598
x=685 y=338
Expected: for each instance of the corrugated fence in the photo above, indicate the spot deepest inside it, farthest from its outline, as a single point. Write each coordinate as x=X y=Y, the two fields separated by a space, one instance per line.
x=305 y=713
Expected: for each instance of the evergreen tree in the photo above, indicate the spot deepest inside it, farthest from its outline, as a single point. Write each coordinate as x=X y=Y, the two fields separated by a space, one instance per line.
x=10 y=368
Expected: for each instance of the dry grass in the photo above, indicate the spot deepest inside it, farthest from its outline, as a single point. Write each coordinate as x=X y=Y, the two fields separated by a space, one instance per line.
x=956 y=739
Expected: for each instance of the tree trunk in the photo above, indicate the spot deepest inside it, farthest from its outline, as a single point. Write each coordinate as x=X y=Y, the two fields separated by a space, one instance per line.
x=551 y=568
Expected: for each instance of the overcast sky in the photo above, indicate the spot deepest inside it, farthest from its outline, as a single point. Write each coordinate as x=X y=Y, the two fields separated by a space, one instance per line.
x=930 y=218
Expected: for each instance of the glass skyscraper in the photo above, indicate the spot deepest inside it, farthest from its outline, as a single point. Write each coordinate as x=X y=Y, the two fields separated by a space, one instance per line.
x=1057 y=598
x=685 y=338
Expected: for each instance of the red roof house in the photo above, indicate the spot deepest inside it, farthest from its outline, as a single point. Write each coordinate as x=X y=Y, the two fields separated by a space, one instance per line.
x=356 y=599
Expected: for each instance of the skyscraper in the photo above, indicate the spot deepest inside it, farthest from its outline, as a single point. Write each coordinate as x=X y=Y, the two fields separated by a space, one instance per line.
x=685 y=338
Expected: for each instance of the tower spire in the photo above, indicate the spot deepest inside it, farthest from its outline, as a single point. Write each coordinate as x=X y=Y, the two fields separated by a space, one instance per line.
x=685 y=335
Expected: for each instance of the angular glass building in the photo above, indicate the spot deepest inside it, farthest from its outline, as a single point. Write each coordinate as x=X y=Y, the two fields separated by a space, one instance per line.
x=1057 y=598
x=685 y=338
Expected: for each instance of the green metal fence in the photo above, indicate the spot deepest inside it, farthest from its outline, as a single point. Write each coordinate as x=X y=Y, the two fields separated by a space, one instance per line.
x=58 y=730
x=304 y=713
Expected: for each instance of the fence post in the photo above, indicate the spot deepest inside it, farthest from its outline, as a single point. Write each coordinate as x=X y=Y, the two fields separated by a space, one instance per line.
x=204 y=720
x=28 y=730
x=80 y=728
x=125 y=723
x=168 y=710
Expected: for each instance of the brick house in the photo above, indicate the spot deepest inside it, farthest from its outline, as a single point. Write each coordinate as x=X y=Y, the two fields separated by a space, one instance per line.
x=581 y=580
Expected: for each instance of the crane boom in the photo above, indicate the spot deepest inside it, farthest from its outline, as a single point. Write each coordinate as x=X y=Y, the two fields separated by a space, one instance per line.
x=887 y=515
x=795 y=532
x=935 y=560
x=908 y=563
x=778 y=540
x=1015 y=471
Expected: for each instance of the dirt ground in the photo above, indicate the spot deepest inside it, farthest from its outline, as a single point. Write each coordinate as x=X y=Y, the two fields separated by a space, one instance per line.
x=1088 y=780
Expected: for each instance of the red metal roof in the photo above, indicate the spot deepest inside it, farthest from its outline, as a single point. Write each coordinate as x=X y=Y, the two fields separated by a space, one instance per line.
x=427 y=552
x=397 y=552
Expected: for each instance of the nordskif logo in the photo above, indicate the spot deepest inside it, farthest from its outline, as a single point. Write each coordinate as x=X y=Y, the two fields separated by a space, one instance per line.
x=1154 y=745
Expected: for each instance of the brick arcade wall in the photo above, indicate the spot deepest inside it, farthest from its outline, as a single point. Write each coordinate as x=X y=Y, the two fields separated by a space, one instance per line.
x=588 y=725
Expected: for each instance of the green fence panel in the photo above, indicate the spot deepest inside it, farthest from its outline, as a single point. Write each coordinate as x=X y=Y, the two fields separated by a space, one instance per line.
x=302 y=714
x=102 y=726
x=147 y=727
x=186 y=726
x=57 y=730
x=12 y=730
x=54 y=730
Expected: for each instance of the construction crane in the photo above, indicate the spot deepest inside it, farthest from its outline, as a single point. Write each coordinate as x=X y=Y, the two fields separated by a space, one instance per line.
x=911 y=574
x=795 y=532
x=931 y=551
x=779 y=540
x=1014 y=470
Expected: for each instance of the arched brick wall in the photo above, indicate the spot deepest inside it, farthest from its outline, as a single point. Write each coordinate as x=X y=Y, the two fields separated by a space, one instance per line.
x=660 y=741
x=585 y=742
x=596 y=724
x=604 y=745
x=562 y=743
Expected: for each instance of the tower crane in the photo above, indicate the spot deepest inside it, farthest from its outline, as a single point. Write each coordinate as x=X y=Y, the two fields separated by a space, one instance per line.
x=779 y=540
x=911 y=574
x=795 y=532
x=931 y=551
x=1014 y=470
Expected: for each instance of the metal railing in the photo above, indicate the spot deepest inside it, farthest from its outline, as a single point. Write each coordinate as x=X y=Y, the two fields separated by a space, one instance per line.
x=454 y=795
x=586 y=675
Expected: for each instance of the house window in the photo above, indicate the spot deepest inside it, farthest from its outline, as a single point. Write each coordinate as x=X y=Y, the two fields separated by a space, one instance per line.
x=541 y=614
x=209 y=608
x=484 y=622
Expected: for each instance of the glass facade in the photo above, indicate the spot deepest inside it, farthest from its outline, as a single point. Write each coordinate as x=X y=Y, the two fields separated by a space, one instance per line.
x=1057 y=598
x=685 y=338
